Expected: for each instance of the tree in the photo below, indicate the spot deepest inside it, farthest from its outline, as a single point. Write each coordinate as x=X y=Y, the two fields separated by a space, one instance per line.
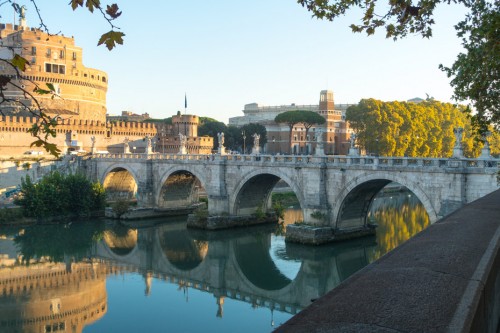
x=292 y=118
x=13 y=77
x=59 y=195
x=311 y=118
x=413 y=129
x=475 y=74
x=253 y=128
x=211 y=127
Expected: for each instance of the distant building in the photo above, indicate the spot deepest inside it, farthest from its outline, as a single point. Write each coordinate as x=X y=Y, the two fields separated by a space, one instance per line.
x=416 y=100
x=335 y=131
x=128 y=116
x=169 y=140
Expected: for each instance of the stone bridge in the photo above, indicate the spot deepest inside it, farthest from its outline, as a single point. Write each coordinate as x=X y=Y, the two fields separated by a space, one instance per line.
x=236 y=265
x=335 y=192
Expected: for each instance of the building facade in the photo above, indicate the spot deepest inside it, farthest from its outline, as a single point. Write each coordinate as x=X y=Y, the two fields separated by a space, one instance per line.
x=335 y=133
x=79 y=103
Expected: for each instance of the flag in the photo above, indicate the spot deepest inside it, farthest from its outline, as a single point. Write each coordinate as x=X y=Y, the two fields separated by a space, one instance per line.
x=185 y=101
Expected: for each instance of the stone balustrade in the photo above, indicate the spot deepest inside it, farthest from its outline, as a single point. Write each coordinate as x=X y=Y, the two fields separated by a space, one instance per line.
x=333 y=160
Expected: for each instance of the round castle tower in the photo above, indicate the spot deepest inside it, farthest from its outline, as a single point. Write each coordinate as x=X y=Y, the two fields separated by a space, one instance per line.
x=52 y=59
x=185 y=124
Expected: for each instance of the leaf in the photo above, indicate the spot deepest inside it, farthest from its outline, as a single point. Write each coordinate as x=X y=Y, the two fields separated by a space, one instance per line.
x=110 y=38
x=75 y=3
x=19 y=62
x=51 y=87
x=113 y=11
x=4 y=80
x=92 y=4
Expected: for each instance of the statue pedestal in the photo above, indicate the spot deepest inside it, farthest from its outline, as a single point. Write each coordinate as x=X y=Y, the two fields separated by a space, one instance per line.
x=182 y=150
x=221 y=151
x=485 y=152
x=458 y=152
x=353 y=152
x=256 y=150
x=320 y=150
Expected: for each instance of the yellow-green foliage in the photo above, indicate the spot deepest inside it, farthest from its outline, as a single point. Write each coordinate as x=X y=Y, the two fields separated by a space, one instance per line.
x=414 y=129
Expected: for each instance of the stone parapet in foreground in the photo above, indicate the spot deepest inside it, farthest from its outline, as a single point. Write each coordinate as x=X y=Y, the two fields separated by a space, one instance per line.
x=445 y=279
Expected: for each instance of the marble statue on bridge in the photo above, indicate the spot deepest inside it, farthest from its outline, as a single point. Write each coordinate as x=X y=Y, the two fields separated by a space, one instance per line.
x=256 y=144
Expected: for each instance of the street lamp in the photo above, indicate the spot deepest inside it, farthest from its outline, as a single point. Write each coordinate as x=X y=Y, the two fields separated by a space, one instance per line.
x=376 y=147
x=244 y=146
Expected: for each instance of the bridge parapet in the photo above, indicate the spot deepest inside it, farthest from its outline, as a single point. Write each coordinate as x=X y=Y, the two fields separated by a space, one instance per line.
x=334 y=160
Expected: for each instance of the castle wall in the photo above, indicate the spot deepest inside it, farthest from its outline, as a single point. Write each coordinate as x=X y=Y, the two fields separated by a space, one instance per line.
x=71 y=134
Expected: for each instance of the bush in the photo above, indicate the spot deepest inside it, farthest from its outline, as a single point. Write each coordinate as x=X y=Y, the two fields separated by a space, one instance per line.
x=60 y=195
x=10 y=214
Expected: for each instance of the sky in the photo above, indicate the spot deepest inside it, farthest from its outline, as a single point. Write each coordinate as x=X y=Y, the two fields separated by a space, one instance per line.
x=224 y=54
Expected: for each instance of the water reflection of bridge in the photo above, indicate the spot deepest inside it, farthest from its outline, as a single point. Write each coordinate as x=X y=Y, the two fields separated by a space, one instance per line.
x=236 y=264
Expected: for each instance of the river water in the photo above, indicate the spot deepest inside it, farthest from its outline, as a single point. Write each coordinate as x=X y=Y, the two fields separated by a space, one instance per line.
x=158 y=276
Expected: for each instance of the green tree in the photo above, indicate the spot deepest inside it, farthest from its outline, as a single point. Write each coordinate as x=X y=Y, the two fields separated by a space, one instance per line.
x=311 y=118
x=211 y=127
x=475 y=73
x=250 y=130
x=59 y=195
x=292 y=118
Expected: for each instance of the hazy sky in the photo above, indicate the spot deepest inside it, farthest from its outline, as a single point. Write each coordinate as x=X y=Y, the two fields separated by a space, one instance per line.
x=224 y=54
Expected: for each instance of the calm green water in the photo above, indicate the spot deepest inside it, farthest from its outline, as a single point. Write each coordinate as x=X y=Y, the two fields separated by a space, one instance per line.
x=159 y=277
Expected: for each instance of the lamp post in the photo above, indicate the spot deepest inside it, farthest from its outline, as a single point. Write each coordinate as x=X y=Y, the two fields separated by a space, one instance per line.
x=244 y=146
x=376 y=147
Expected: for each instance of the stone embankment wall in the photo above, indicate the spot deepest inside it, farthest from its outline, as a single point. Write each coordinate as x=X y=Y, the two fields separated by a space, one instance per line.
x=445 y=279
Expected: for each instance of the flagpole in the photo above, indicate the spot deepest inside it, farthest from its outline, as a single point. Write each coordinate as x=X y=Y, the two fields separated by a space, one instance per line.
x=185 y=109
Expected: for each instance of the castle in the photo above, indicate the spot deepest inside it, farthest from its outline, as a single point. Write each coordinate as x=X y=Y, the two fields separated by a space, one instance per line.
x=79 y=104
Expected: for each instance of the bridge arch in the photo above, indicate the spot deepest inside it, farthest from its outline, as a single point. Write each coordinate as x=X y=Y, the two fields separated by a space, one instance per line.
x=120 y=182
x=352 y=204
x=179 y=187
x=255 y=187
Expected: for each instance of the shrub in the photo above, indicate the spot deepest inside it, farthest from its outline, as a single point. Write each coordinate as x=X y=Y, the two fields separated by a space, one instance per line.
x=60 y=195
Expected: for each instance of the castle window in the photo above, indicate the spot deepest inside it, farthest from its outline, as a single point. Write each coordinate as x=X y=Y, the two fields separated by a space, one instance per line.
x=103 y=79
x=33 y=50
x=61 y=54
x=48 y=52
x=74 y=56
x=33 y=60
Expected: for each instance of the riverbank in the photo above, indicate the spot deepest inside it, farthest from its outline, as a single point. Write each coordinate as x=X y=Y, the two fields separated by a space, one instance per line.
x=444 y=279
x=13 y=216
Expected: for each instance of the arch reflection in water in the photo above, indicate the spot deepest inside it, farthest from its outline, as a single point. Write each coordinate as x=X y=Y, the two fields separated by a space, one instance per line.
x=181 y=250
x=121 y=239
